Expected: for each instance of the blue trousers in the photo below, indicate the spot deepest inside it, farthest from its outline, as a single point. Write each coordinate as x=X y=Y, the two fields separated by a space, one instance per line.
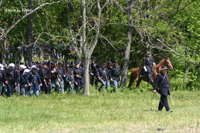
x=116 y=85
x=163 y=102
x=9 y=90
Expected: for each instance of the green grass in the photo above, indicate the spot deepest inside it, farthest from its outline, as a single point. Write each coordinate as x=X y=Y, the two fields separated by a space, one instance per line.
x=127 y=111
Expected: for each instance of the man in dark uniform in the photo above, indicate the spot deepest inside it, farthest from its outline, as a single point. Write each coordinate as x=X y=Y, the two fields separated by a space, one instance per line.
x=70 y=81
x=59 y=72
x=104 y=77
x=11 y=79
x=39 y=71
x=78 y=73
x=33 y=80
x=148 y=66
x=2 y=78
x=45 y=78
x=23 y=82
x=94 y=72
x=115 y=75
x=162 y=84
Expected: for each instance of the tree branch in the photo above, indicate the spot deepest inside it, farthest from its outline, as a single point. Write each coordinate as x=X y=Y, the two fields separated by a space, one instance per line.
x=9 y=29
x=2 y=2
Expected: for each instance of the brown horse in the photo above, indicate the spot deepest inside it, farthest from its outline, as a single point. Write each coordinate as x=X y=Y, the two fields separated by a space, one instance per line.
x=135 y=75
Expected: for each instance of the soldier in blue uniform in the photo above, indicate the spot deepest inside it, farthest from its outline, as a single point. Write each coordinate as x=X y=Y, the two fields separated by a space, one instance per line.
x=59 y=71
x=94 y=72
x=45 y=78
x=78 y=73
x=70 y=81
x=33 y=80
x=23 y=82
x=2 y=78
x=162 y=84
x=11 y=79
x=104 y=77
x=115 y=74
x=148 y=65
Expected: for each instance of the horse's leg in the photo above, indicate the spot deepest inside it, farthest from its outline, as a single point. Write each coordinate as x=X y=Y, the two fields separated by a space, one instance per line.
x=138 y=82
x=131 y=81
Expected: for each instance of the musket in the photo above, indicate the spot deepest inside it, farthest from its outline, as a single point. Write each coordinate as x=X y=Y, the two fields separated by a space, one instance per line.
x=44 y=78
x=60 y=80
x=50 y=74
x=97 y=72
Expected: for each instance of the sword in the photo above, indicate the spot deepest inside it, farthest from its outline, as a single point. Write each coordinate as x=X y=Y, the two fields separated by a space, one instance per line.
x=171 y=99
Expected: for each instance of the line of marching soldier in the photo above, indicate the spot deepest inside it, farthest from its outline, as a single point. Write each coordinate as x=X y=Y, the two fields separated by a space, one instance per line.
x=48 y=76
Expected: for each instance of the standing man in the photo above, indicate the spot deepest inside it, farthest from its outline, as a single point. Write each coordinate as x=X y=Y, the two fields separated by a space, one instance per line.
x=70 y=81
x=2 y=78
x=104 y=77
x=33 y=80
x=115 y=75
x=94 y=72
x=59 y=71
x=148 y=65
x=78 y=73
x=162 y=84
x=45 y=78
x=23 y=82
x=11 y=79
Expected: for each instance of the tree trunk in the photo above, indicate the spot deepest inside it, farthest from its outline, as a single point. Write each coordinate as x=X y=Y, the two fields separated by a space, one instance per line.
x=30 y=35
x=3 y=49
x=188 y=66
x=86 y=74
x=128 y=45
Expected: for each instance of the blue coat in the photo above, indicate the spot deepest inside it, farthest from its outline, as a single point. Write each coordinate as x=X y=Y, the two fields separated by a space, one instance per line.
x=78 y=79
x=104 y=74
x=115 y=73
x=23 y=81
x=11 y=76
x=162 y=82
x=148 y=62
x=33 y=78
x=2 y=77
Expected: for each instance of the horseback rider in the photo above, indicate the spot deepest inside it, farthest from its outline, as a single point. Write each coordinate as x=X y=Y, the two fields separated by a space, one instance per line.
x=148 y=64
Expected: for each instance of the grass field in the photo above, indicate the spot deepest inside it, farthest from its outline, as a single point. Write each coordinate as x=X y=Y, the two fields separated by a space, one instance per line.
x=126 y=111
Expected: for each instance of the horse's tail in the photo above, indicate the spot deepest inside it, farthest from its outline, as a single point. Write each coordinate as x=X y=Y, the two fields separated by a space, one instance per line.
x=131 y=79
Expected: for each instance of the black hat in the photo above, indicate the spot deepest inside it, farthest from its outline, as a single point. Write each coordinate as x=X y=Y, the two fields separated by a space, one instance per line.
x=83 y=60
x=45 y=63
x=60 y=63
x=115 y=61
x=32 y=61
x=70 y=69
x=76 y=62
x=103 y=64
x=110 y=63
x=38 y=62
x=55 y=62
x=52 y=63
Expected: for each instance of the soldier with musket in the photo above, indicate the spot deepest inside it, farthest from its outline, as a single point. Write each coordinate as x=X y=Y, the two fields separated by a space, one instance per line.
x=162 y=85
x=33 y=80
x=148 y=65
x=23 y=82
x=70 y=81
x=11 y=81
x=45 y=78
x=78 y=73
x=104 y=76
